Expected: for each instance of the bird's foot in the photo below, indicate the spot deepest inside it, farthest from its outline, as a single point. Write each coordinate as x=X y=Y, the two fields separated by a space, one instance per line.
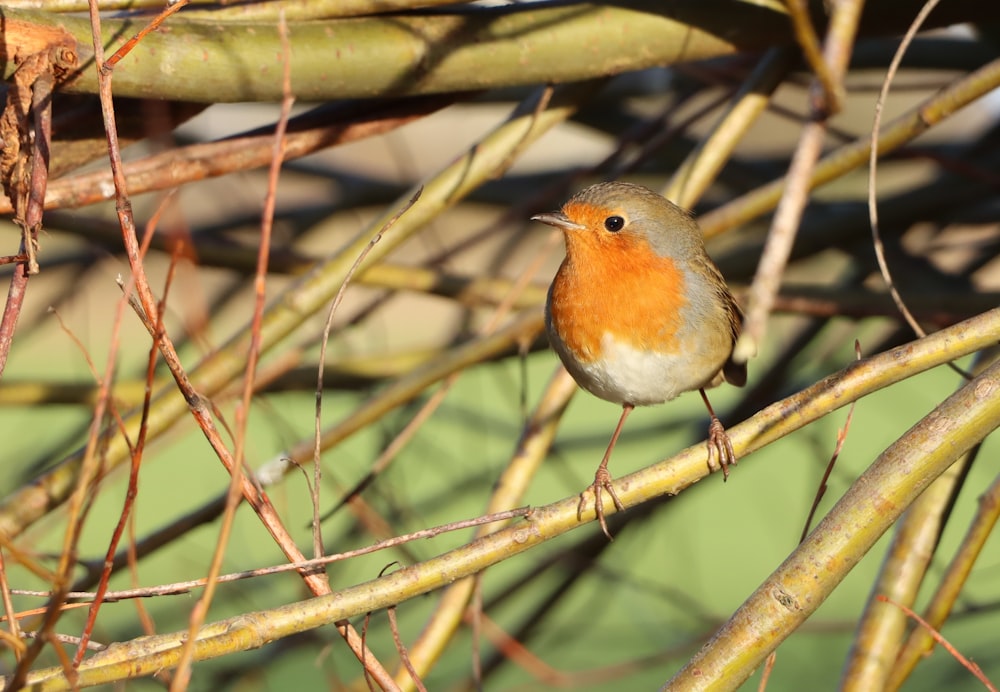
x=721 y=454
x=602 y=481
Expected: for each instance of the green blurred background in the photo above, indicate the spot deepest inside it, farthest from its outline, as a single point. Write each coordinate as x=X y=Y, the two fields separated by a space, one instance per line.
x=590 y=614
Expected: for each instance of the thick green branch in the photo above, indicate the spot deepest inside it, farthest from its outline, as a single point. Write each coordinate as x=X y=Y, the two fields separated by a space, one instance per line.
x=413 y=54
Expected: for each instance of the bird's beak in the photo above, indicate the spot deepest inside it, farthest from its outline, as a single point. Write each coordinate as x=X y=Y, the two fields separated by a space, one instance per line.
x=559 y=220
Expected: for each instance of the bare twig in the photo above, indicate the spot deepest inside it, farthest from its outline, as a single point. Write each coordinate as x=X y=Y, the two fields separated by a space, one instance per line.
x=126 y=48
x=841 y=438
x=186 y=586
x=971 y=666
x=8 y=606
x=137 y=450
x=401 y=649
x=198 y=614
x=784 y=227
x=883 y=265
x=318 y=427
x=320 y=128
x=404 y=436
x=820 y=492
x=38 y=76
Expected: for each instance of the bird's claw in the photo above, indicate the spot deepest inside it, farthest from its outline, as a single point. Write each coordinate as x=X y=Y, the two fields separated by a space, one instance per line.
x=721 y=447
x=602 y=481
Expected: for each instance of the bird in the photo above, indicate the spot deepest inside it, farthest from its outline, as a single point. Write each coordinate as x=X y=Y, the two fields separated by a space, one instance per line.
x=638 y=312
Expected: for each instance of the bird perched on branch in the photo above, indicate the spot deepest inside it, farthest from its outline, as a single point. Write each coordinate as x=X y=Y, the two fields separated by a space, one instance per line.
x=638 y=312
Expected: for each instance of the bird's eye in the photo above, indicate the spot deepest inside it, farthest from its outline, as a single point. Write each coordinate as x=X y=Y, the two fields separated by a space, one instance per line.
x=614 y=223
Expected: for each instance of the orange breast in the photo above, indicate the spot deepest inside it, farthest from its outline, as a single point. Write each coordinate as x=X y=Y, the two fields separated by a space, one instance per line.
x=616 y=284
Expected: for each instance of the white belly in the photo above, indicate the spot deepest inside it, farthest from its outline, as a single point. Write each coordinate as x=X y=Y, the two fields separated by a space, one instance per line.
x=625 y=375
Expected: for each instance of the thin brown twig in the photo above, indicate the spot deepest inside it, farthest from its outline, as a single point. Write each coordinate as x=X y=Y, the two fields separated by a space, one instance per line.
x=553 y=678
x=65 y=639
x=89 y=477
x=8 y=605
x=71 y=335
x=817 y=498
x=971 y=666
x=26 y=560
x=126 y=48
x=308 y=133
x=182 y=674
x=184 y=587
x=200 y=409
x=31 y=612
x=136 y=453
x=264 y=244
x=841 y=438
x=327 y=327
x=431 y=405
x=132 y=560
x=879 y=247
x=404 y=436
x=344 y=626
x=519 y=654
x=765 y=674
x=364 y=643
x=401 y=649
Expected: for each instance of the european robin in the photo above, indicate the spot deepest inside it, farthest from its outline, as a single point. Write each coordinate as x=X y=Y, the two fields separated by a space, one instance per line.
x=638 y=312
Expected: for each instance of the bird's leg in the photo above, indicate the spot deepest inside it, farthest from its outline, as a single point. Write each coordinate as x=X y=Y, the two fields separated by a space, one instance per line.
x=602 y=479
x=719 y=443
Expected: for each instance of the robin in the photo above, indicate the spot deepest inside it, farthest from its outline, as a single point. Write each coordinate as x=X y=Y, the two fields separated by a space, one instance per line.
x=638 y=312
